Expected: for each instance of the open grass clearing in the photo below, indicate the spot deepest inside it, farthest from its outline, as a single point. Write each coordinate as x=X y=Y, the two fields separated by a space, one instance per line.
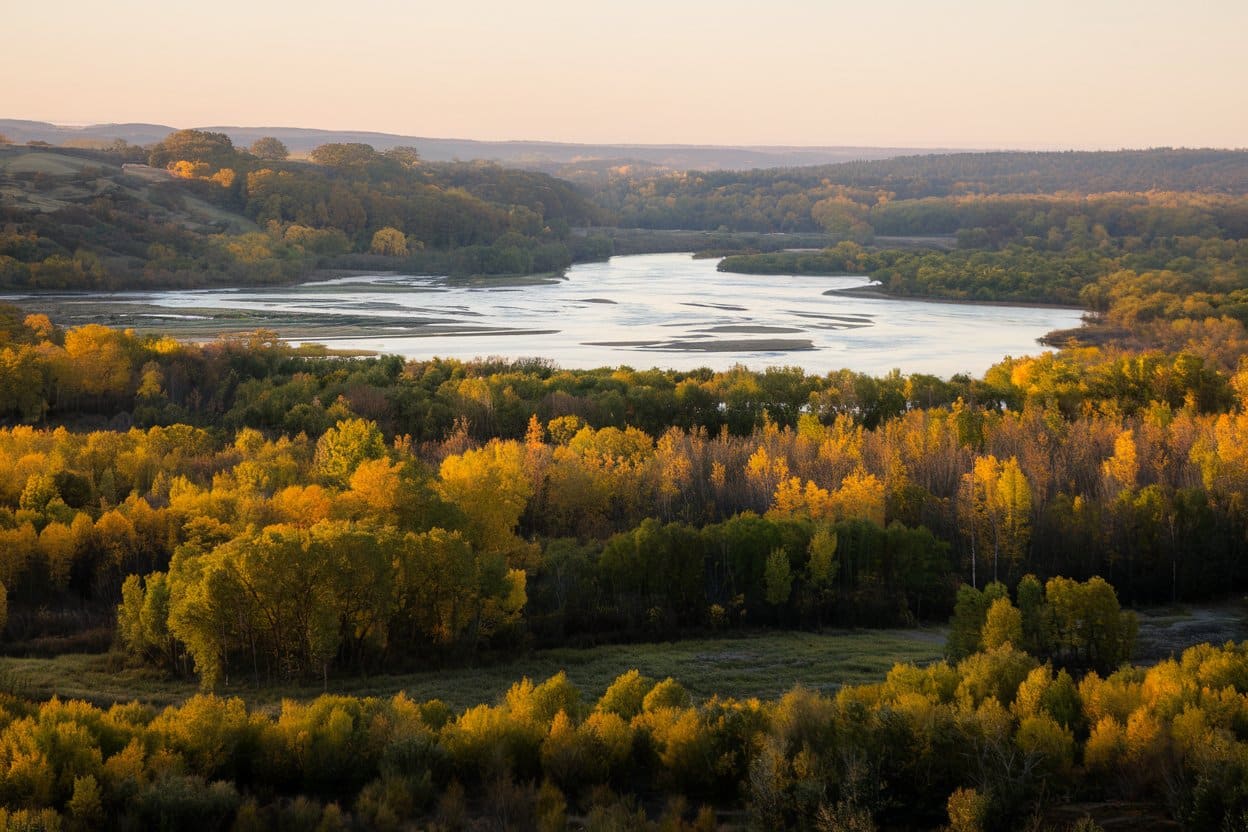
x=763 y=665
x=212 y=214
x=52 y=164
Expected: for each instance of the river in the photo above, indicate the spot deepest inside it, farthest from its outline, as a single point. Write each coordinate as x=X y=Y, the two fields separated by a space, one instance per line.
x=664 y=310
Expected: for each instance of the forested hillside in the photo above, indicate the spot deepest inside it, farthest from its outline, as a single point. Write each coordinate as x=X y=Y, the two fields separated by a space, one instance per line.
x=782 y=199
x=204 y=212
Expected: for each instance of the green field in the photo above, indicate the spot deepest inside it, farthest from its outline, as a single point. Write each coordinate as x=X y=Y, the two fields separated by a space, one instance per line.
x=763 y=665
x=52 y=164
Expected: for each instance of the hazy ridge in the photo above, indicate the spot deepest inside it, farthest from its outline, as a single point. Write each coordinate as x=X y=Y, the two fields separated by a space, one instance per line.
x=523 y=153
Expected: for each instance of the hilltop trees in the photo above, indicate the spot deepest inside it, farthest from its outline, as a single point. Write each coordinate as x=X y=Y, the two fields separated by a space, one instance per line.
x=267 y=147
x=235 y=217
x=344 y=155
x=214 y=149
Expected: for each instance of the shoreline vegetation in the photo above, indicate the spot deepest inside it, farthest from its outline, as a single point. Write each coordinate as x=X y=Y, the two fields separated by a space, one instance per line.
x=929 y=274
x=876 y=291
x=579 y=314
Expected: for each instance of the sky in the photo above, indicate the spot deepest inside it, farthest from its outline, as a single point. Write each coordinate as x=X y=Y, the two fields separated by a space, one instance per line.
x=913 y=73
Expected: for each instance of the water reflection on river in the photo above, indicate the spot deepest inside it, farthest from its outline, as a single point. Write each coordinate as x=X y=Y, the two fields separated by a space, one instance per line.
x=665 y=310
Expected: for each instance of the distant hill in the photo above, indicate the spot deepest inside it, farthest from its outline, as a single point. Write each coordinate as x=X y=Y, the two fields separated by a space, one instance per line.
x=529 y=154
x=82 y=218
x=21 y=131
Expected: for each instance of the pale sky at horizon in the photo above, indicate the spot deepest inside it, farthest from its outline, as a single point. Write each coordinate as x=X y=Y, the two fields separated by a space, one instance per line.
x=914 y=73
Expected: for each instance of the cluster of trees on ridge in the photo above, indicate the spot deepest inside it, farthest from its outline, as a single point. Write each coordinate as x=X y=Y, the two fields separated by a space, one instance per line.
x=229 y=215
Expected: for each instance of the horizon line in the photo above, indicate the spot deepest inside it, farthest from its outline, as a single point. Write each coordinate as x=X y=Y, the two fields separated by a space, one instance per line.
x=981 y=147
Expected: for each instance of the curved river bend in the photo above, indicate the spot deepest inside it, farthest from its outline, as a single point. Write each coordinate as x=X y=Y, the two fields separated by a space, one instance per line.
x=665 y=310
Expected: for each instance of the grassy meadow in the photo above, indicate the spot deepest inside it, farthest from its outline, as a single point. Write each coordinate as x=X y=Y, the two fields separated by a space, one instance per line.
x=763 y=665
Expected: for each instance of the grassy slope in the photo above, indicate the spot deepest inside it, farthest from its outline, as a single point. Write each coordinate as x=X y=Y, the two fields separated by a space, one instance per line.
x=23 y=193
x=764 y=665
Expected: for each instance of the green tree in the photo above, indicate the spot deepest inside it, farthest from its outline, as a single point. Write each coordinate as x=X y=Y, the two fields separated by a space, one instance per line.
x=822 y=568
x=216 y=149
x=625 y=696
x=143 y=619
x=1030 y=595
x=448 y=593
x=40 y=490
x=970 y=611
x=86 y=808
x=1089 y=627
x=778 y=577
x=268 y=147
x=342 y=448
x=995 y=502
x=408 y=157
x=344 y=155
x=1002 y=625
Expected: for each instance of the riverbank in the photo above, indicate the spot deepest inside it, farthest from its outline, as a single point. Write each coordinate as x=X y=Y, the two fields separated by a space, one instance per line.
x=657 y=310
x=873 y=291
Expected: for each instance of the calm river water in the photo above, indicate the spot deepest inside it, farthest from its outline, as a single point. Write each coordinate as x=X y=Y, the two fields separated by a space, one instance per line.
x=665 y=310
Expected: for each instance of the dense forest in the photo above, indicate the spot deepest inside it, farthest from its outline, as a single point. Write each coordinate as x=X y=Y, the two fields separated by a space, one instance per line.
x=584 y=504
x=245 y=514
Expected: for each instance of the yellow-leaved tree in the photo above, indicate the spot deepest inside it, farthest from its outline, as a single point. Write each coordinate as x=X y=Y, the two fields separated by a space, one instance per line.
x=995 y=507
x=491 y=488
x=389 y=241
